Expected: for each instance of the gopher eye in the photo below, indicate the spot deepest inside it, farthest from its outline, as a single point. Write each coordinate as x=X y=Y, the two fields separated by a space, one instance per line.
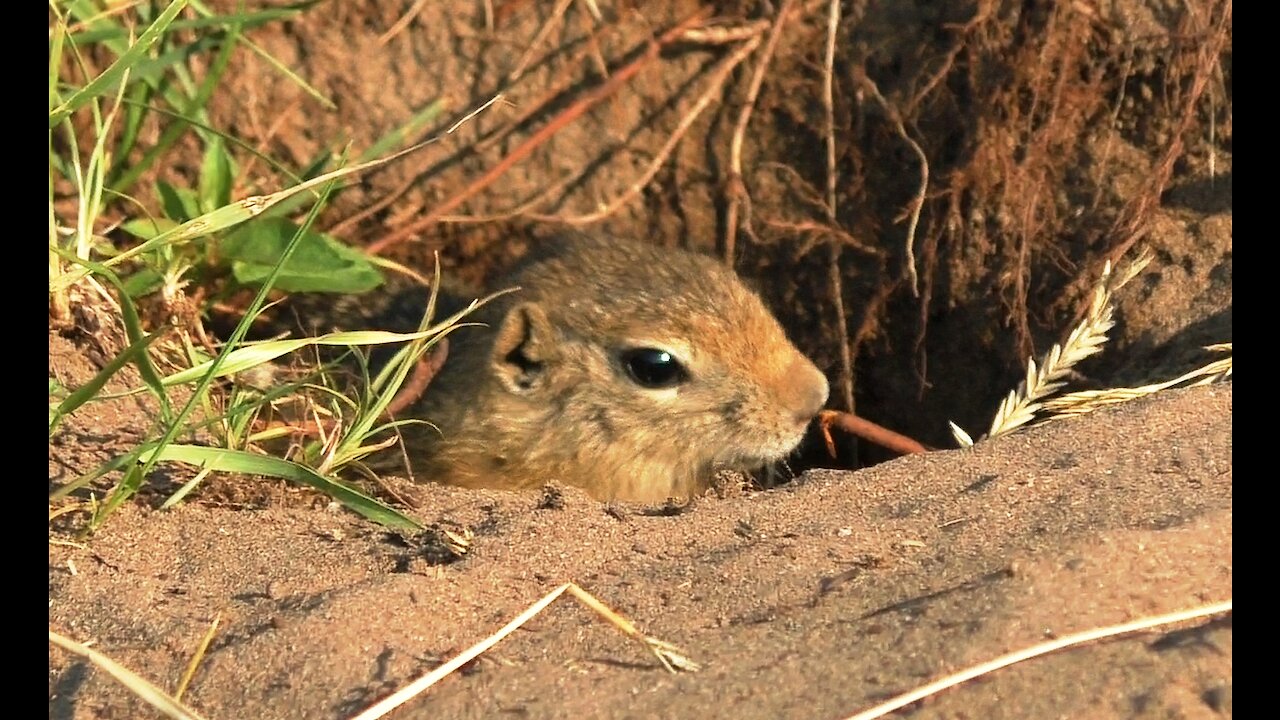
x=653 y=368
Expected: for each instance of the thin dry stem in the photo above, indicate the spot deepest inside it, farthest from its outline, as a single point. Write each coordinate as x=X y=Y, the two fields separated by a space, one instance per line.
x=917 y=202
x=736 y=188
x=834 y=277
x=670 y=656
x=828 y=105
x=403 y=22
x=552 y=20
x=144 y=689
x=194 y=665
x=1066 y=641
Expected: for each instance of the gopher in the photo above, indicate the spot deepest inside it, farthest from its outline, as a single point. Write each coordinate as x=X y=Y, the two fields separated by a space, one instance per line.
x=632 y=371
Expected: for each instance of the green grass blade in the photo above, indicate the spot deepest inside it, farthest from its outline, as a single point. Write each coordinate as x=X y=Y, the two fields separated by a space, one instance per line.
x=88 y=13
x=143 y=107
x=182 y=492
x=104 y=82
x=90 y=390
x=398 y=136
x=136 y=474
x=135 y=114
x=131 y=458
x=196 y=104
x=280 y=67
x=289 y=73
x=234 y=214
x=59 y=32
x=251 y=355
x=59 y=303
x=132 y=329
x=217 y=171
x=239 y=461
x=245 y=20
x=150 y=70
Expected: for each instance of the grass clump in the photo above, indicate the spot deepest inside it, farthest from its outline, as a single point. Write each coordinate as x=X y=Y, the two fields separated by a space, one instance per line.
x=152 y=265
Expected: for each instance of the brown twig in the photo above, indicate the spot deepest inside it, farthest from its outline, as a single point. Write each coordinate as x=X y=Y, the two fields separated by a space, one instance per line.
x=722 y=72
x=402 y=23
x=736 y=192
x=571 y=113
x=424 y=371
x=867 y=430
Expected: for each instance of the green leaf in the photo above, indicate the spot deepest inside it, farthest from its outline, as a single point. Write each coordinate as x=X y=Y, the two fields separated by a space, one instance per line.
x=240 y=461
x=143 y=282
x=216 y=174
x=179 y=203
x=147 y=228
x=320 y=263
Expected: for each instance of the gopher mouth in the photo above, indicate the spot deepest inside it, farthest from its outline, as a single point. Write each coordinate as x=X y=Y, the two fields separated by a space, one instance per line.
x=757 y=452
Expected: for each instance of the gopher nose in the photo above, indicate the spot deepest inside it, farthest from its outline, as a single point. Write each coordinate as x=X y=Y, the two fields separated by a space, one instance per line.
x=811 y=390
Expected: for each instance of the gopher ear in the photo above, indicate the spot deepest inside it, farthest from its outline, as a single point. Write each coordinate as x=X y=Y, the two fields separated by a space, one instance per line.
x=523 y=347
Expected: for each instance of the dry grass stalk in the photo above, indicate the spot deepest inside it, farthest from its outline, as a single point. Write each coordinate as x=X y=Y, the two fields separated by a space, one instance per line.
x=1087 y=339
x=1086 y=401
x=735 y=189
x=197 y=657
x=163 y=703
x=571 y=113
x=1140 y=625
x=671 y=657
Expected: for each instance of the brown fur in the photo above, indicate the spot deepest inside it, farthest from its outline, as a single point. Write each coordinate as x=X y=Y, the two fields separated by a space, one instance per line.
x=541 y=395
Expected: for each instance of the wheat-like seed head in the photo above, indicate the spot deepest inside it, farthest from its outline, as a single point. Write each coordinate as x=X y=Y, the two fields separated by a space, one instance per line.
x=1086 y=401
x=1086 y=339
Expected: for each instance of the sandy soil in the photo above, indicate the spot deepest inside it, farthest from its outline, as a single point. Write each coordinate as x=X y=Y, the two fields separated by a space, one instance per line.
x=813 y=600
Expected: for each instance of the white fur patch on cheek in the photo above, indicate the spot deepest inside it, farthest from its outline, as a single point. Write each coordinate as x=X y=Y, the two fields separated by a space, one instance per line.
x=664 y=395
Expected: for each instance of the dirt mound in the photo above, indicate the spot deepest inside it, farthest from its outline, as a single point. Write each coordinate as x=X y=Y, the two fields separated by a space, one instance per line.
x=813 y=600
